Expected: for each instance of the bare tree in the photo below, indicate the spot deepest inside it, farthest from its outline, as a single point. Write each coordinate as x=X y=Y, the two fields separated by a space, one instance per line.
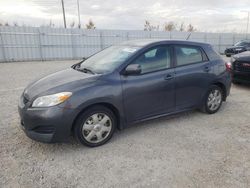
x=15 y=24
x=51 y=24
x=191 y=28
x=170 y=26
x=72 y=25
x=6 y=24
x=182 y=27
x=149 y=27
x=90 y=25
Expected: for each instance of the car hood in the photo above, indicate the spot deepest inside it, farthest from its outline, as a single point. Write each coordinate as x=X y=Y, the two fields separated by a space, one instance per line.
x=61 y=81
x=244 y=56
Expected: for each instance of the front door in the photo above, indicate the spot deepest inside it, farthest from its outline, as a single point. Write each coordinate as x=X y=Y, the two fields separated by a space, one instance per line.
x=151 y=92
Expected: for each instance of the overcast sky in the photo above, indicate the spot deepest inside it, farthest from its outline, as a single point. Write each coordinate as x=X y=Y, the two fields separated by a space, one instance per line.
x=205 y=15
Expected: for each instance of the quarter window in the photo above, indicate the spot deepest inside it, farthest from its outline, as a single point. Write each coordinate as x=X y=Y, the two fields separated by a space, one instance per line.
x=155 y=59
x=188 y=55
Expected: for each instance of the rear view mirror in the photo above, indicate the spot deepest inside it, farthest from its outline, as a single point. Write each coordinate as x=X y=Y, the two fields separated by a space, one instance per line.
x=133 y=69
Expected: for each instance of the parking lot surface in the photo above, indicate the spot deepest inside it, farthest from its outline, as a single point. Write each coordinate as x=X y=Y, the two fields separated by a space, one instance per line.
x=191 y=149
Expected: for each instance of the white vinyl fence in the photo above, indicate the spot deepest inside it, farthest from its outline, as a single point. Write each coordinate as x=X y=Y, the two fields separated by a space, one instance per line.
x=31 y=43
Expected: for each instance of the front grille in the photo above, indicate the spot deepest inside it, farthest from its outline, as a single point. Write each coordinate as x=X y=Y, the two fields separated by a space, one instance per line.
x=239 y=66
x=230 y=51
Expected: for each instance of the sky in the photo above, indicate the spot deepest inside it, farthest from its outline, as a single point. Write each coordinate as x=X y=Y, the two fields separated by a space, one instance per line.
x=204 y=15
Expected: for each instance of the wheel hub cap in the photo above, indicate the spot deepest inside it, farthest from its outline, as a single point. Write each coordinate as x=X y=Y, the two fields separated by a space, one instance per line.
x=214 y=100
x=97 y=127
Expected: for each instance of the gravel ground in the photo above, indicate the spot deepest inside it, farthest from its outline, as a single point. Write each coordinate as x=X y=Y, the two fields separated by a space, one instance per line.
x=187 y=150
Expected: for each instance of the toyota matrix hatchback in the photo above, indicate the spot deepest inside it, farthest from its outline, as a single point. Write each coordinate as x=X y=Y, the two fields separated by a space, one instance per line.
x=122 y=85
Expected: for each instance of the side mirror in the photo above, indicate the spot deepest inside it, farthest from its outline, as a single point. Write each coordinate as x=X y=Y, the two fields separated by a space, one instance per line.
x=133 y=69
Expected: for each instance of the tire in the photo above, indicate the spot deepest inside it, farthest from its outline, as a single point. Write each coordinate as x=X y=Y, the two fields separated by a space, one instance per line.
x=228 y=55
x=211 y=99
x=95 y=126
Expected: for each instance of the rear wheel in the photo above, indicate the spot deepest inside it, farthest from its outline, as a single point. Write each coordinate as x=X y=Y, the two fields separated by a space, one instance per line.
x=95 y=126
x=213 y=100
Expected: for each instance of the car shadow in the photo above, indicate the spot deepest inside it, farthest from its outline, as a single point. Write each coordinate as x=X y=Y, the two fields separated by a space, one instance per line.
x=243 y=86
x=71 y=145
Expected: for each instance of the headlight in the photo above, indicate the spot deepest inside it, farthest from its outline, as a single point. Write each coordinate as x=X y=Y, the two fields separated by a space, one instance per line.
x=51 y=100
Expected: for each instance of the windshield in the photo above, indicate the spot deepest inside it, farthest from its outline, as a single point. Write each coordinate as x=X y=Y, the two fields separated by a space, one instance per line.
x=108 y=59
x=240 y=44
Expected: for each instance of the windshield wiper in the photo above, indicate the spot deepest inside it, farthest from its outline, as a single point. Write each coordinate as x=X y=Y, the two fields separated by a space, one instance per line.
x=87 y=70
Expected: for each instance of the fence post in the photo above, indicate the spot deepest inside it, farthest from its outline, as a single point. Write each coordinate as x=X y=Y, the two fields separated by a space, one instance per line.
x=219 y=43
x=40 y=45
x=101 y=40
x=2 y=46
x=205 y=37
x=233 y=38
x=127 y=35
x=72 y=43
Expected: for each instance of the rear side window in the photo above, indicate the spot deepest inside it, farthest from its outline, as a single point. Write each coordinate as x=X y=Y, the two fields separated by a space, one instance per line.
x=187 y=55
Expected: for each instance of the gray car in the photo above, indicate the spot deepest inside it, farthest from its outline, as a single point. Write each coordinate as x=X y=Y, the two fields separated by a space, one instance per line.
x=123 y=85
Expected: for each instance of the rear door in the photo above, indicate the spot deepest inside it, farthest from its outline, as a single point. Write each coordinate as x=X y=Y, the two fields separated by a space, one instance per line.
x=192 y=70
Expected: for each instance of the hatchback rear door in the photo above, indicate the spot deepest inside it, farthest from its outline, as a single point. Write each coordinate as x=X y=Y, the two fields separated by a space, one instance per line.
x=192 y=70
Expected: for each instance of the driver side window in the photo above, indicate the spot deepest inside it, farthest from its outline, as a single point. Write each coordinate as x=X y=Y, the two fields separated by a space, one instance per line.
x=154 y=59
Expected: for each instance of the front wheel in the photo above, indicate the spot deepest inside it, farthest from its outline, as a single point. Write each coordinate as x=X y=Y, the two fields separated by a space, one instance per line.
x=95 y=126
x=213 y=100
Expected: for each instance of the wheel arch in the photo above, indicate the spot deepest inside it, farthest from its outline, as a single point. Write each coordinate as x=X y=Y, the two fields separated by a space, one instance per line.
x=105 y=104
x=223 y=87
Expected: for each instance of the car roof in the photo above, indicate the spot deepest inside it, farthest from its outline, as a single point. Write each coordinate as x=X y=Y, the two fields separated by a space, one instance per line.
x=146 y=42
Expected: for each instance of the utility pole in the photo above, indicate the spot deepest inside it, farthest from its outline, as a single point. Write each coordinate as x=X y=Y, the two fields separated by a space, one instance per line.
x=79 y=18
x=64 y=19
x=248 y=16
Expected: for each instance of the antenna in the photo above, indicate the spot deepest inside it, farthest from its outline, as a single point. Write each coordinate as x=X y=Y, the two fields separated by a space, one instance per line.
x=188 y=36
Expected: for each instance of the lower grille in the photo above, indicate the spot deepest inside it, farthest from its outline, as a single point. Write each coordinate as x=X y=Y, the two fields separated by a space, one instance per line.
x=44 y=129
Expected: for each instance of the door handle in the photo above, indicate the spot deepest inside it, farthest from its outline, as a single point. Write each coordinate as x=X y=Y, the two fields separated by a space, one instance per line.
x=169 y=77
x=207 y=68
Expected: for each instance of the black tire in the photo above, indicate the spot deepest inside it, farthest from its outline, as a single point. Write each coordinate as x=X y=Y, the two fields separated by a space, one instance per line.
x=228 y=55
x=98 y=109
x=205 y=108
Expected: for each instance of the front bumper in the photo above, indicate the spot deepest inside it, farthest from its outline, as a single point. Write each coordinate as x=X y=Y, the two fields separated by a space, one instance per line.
x=241 y=76
x=48 y=125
